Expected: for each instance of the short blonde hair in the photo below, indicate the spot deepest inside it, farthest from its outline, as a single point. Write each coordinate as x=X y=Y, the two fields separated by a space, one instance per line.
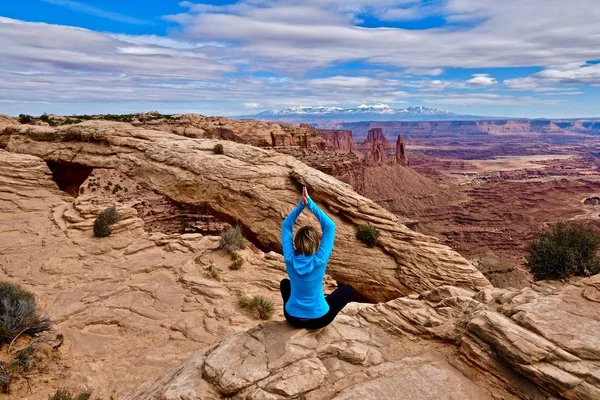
x=307 y=241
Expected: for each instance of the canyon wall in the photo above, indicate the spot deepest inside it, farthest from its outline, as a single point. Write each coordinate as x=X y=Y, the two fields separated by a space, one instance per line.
x=379 y=171
x=255 y=133
x=491 y=127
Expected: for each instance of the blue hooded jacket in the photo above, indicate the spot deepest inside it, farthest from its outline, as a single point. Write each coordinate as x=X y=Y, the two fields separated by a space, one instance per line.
x=306 y=272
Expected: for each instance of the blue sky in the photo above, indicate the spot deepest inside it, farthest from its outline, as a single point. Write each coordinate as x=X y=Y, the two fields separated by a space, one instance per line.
x=515 y=58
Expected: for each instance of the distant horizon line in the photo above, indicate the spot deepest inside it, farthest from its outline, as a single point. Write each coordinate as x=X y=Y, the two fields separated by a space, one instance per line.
x=457 y=119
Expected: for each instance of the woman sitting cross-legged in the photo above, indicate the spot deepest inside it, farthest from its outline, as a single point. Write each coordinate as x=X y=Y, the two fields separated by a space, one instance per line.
x=306 y=257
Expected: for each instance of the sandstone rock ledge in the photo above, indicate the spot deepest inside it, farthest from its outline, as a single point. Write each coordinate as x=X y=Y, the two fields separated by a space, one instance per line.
x=535 y=343
x=129 y=305
x=257 y=188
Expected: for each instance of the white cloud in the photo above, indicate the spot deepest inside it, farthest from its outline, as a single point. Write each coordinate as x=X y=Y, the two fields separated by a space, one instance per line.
x=570 y=74
x=432 y=85
x=351 y=82
x=62 y=50
x=425 y=71
x=584 y=74
x=562 y=93
x=292 y=38
x=54 y=65
x=98 y=12
x=536 y=35
x=521 y=83
x=489 y=99
x=481 y=80
x=155 y=40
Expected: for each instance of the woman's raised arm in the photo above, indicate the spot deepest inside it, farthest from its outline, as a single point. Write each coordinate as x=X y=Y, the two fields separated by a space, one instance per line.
x=328 y=228
x=287 y=230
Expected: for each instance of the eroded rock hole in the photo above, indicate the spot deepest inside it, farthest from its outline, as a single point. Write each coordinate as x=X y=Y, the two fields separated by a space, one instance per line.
x=69 y=177
x=159 y=213
x=592 y=201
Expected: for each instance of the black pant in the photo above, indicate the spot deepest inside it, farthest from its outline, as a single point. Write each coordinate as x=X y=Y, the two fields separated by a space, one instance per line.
x=336 y=300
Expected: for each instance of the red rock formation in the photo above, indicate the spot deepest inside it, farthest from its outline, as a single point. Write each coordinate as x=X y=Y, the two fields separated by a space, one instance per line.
x=375 y=134
x=377 y=156
x=401 y=158
x=323 y=139
x=337 y=140
x=377 y=150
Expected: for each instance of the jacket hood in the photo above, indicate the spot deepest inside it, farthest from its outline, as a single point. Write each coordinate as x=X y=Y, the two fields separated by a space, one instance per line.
x=303 y=265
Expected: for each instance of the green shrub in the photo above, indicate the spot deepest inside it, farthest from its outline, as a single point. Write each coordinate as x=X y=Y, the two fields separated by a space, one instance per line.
x=237 y=261
x=117 y=189
x=64 y=394
x=24 y=360
x=562 y=251
x=259 y=306
x=18 y=313
x=25 y=119
x=219 y=149
x=213 y=272
x=367 y=234
x=104 y=220
x=232 y=239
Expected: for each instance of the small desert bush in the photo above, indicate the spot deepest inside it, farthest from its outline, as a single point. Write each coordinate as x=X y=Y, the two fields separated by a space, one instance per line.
x=25 y=119
x=213 y=272
x=237 y=261
x=104 y=220
x=117 y=189
x=219 y=149
x=367 y=234
x=24 y=359
x=259 y=306
x=18 y=313
x=232 y=239
x=562 y=251
x=64 y=394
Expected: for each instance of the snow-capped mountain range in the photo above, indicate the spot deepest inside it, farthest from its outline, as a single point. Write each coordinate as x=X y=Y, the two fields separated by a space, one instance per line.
x=364 y=112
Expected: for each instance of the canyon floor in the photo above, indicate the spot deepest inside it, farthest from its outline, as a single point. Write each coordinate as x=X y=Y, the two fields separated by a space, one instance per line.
x=513 y=187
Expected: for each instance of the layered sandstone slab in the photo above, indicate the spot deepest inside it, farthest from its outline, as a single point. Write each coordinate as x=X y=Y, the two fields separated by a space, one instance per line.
x=349 y=359
x=536 y=343
x=129 y=305
x=257 y=188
